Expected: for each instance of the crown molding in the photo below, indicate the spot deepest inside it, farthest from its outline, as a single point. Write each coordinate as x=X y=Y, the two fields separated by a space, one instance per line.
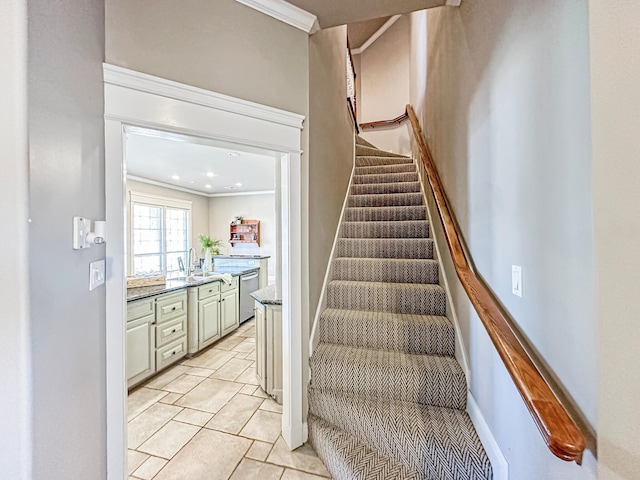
x=143 y=82
x=285 y=12
x=453 y=3
x=148 y=181
x=377 y=34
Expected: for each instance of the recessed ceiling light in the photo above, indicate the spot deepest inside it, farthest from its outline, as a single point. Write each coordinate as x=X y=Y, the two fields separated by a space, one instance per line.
x=234 y=154
x=207 y=186
x=238 y=184
x=192 y=181
x=211 y=174
x=175 y=177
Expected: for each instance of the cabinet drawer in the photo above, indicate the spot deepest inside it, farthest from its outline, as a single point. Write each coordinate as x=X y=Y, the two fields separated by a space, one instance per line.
x=139 y=308
x=208 y=290
x=170 y=330
x=225 y=288
x=173 y=352
x=171 y=306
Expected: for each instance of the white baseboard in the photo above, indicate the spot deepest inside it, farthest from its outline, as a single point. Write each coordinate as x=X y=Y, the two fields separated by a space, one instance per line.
x=498 y=462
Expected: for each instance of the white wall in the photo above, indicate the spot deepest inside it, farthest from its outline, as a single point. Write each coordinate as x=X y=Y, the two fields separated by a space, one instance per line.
x=251 y=207
x=199 y=208
x=15 y=376
x=66 y=174
x=615 y=97
x=505 y=104
x=384 y=86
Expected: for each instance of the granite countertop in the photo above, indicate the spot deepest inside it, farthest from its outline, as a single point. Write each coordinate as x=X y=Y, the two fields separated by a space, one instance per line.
x=267 y=296
x=257 y=257
x=137 y=293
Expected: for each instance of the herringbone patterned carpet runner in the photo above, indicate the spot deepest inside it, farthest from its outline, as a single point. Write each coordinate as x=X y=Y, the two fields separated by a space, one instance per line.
x=387 y=397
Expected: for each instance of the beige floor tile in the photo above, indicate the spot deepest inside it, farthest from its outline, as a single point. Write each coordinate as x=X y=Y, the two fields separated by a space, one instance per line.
x=211 y=359
x=303 y=458
x=232 y=369
x=134 y=460
x=247 y=333
x=260 y=393
x=246 y=346
x=141 y=399
x=170 y=398
x=210 y=455
x=229 y=342
x=252 y=469
x=211 y=395
x=251 y=355
x=150 y=468
x=141 y=428
x=248 y=376
x=264 y=426
x=235 y=414
x=259 y=450
x=298 y=475
x=194 y=417
x=183 y=384
x=166 y=377
x=200 y=372
x=248 y=389
x=270 y=405
x=168 y=441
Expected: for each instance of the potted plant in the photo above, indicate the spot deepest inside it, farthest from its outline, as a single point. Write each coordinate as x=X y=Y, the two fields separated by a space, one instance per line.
x=238 y=219
x=209 y=247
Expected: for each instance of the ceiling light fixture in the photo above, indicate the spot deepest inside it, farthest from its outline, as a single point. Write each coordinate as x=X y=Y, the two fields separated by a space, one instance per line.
x=207 y=186
x=238 y=184
x=175 y=177
x=234 y=154
x=211 y=174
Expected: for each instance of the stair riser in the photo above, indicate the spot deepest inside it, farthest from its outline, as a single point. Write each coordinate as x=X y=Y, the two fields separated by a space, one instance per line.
x=435 y=381
x=419 y=438
x=385 y=188
x=408 y=229
x=387 y=298
x=368 y=161
x=386 y=270
x=385 y=178
x=385 y=214
x=386 y=169
x=409 y=333
x=363 y=150
x=386 y=248
x=390 y=200
x=363 y=142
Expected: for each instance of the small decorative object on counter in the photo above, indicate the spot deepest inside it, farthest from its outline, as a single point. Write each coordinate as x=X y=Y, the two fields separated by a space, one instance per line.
x=237 y=220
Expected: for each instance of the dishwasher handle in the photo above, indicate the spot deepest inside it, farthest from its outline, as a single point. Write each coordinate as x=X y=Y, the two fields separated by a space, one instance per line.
x=245 y=278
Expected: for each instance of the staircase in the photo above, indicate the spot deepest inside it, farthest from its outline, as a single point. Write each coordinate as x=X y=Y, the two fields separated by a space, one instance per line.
x=387 y=397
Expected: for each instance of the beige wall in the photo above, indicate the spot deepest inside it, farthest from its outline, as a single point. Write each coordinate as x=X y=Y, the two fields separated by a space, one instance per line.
x=505 y=103
x=384 y=86
x=199 y=207
x=330 y=149
x=615 y=96
x=251 y=207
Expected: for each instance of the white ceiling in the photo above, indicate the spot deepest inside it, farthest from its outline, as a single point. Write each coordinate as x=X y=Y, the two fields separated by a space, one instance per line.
x=159 y=157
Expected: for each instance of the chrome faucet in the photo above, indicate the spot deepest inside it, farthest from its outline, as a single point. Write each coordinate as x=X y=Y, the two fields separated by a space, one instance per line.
x=192 y=255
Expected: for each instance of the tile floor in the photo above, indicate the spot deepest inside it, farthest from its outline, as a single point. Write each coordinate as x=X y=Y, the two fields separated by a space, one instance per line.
x=206 y=419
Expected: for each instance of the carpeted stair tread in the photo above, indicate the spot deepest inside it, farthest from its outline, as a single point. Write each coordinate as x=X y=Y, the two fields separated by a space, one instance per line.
x=385 y=178
x=386 y=199
x=388 y=270
x=385 y=247
x=372 y=151
x=419 y=334
x=347 y=458
x=384 y=169
x=384 y=188
x=385 y=214
x=387 y=297
x=370 y=161
x=439 y=443
x=391 y=229
x=362 y=141
x=425 y=379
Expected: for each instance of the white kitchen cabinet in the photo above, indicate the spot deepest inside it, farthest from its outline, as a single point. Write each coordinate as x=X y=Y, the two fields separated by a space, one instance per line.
x=140 y=353
x=208 y=321
x=229 y=311
x=269 y=349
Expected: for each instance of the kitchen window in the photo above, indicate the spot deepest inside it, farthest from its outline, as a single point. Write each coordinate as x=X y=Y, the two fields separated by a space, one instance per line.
x=160 y=229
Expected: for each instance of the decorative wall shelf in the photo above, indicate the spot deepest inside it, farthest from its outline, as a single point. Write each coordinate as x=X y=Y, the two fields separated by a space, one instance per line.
x=246 y=232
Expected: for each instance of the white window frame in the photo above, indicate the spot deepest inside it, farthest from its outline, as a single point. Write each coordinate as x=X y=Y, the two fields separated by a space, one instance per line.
x=157 y=201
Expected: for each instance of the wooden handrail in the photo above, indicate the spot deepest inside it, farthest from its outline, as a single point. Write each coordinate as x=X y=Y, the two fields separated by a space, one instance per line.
x=560 y=432
x=353 y=115
x=385 y=123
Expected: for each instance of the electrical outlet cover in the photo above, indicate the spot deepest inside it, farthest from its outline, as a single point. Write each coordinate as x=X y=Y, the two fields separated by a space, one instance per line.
x=96 y=274
x=516 y=280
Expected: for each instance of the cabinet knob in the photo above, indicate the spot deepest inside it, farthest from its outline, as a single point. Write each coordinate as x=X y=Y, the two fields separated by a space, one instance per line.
x=173 y=308
x=174 y=352
x=173 y=331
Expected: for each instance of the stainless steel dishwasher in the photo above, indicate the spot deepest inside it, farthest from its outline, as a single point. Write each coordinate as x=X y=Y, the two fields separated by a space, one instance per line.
x=248 y=284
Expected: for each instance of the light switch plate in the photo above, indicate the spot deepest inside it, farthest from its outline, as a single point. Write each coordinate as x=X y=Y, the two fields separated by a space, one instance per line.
x=96 y=274
x=516 y=280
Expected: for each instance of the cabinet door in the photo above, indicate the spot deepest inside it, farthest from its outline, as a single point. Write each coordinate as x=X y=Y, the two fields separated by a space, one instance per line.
x=261 y=353
x=209 y=320
x=229 y=311
x=140 y=351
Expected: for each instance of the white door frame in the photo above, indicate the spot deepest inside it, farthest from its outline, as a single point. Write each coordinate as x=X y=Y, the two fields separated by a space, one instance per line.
x=136 y=99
